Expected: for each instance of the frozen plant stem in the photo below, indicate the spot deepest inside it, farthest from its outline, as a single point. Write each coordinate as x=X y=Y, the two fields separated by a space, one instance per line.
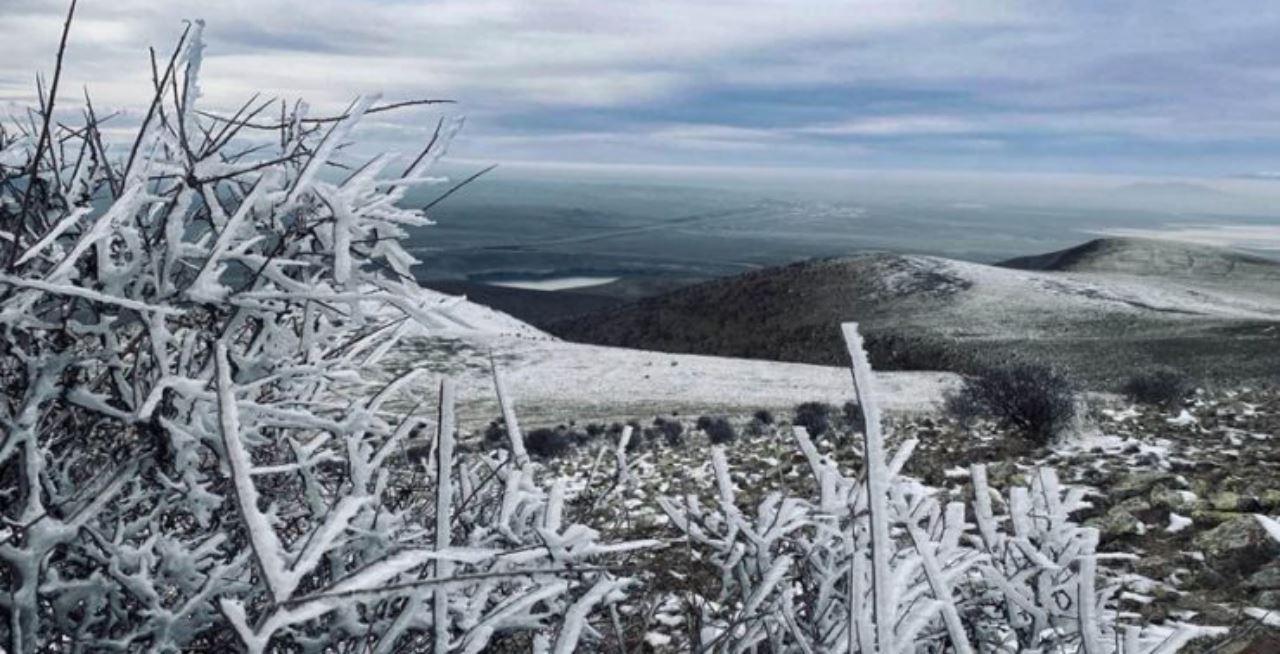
x=877 y=488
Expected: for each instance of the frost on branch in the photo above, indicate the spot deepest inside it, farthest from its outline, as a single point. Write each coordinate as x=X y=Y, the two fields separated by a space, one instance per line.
x=877 y=563
x=189 y=458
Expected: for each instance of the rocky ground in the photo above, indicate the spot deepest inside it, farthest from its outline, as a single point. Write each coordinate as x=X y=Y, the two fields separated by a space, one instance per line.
x=1176 y=486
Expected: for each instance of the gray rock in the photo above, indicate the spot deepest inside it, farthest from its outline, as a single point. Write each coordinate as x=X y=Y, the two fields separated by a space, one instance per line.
x=1170 y=499
x=1228 y=501
x=1141 y=484
x=1268 y=578
x=1238 y=546
x=1117 y=523
x=1268 y=599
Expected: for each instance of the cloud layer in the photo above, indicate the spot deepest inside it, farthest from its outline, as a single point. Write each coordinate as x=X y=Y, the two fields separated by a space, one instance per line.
x=1167 y=87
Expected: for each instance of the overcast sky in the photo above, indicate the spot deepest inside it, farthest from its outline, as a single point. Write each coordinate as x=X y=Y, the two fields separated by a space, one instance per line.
x=1161 y=87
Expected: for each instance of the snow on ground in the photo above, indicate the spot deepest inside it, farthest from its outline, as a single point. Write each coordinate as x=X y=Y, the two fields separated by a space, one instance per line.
x=553 y=381
x=1257 y=237
x=1161 y=545
x=1000 y=290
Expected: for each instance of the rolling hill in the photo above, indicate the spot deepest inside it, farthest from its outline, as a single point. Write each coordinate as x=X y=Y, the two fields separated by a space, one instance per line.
x=1148 y=257
x=1101 y=310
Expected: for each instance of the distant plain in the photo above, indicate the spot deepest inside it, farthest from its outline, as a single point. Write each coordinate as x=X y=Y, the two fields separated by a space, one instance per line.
x=523 y=238
x=534 y=224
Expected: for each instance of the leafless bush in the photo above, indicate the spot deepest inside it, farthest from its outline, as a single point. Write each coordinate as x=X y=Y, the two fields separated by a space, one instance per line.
x=1160 y=386
x=852 y=414
x=815 y=417
x=547 y=443
x=720 y=431
x=671 y=431
x=876 y=563
x=1034 y=400
x=191 y=458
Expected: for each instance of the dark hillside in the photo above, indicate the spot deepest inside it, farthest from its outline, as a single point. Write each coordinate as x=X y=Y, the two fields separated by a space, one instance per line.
x=1100 y=309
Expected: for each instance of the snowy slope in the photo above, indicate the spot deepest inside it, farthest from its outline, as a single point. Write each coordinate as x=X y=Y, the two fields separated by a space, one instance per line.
x=555 y=381
x=463 y=317
x=1040 y=299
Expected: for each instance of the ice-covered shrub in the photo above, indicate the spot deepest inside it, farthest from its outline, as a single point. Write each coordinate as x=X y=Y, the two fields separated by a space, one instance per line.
x=1160 y=386
x=1034 y=400
x=876 y=562
x=191 y=457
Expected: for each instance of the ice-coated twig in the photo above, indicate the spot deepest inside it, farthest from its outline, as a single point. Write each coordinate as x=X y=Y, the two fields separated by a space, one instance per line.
x=877 y=488
x=444 y=511
x=509 y=420
x=267 y=550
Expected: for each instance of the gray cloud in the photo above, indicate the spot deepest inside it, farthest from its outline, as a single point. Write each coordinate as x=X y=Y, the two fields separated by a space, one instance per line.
x=1174 y=86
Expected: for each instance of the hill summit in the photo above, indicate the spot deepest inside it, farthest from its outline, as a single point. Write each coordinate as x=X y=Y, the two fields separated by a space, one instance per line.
x=1141 y=256
x=1099 y=309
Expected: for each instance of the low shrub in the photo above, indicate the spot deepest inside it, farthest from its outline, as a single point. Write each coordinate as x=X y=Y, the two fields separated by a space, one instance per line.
x=672 y=431
x=637 y=436
x=1161 y=386
x=852 y=414
x=760 y=423
x=813 y=416
x=1035 y=400
x=547 y=443
x=495 y=433
x=890 y=351
x=720 y=431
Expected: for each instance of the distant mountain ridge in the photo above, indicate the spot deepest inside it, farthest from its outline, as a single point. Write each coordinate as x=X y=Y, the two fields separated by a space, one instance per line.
x=1137 y=256
x=1100 y=309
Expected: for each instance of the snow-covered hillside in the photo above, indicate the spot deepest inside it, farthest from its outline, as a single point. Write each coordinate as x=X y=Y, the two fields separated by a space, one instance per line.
x=1215 y=316
x=554 y=381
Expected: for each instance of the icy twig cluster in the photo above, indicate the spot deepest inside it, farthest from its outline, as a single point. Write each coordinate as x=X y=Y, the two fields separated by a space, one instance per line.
x=877 y=563
x=190 y=458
